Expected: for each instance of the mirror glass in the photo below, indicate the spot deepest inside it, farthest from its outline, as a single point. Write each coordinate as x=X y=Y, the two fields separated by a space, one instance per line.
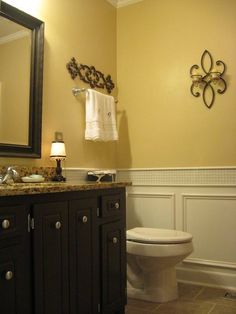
x=21 y=67
x=15 y=54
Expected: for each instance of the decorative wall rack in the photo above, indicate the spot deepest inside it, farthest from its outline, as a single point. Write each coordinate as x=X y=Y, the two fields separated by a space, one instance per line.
x=210 y=81
x=90 y=75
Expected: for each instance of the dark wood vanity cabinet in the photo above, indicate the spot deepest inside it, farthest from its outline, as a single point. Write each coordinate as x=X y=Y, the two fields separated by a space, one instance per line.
x=65 y=253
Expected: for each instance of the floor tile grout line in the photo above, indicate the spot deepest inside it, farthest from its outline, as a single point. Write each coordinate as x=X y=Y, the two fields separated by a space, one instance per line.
x=199 y=292
x=211 y=310
x=156 y=308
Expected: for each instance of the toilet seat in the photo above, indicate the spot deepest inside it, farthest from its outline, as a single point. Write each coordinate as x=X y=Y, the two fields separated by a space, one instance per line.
x=158 y=236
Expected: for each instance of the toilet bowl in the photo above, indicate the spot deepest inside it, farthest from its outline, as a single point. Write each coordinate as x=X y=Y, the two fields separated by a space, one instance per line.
x=152 y=255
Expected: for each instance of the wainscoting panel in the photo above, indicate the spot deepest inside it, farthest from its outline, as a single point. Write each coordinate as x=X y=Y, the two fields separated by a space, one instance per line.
x=151 y=210
x=211 y=219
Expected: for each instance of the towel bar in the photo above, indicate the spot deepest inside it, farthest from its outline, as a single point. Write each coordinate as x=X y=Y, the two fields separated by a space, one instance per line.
x=76 y=91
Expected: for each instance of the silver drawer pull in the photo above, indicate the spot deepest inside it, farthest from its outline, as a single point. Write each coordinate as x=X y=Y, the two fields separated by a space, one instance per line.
x=117 y=205
x=114 y=240
x=85 y=219
x=8 y=275
x=5 y=224
x=58 y=225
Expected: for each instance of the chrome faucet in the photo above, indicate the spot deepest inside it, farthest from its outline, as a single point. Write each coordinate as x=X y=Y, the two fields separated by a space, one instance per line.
x=10 y=176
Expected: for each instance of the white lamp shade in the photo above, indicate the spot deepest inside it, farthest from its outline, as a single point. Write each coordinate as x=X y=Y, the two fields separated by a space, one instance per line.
x=58 y=150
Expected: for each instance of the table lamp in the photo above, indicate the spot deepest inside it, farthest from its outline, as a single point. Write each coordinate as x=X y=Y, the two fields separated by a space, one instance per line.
x=58 y=153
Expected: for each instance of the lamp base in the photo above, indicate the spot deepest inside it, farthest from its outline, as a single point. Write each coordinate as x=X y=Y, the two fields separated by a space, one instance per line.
x=59 y=178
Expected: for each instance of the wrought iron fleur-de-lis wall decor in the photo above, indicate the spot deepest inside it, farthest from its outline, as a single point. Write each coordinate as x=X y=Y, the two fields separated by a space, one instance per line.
x=208 y=82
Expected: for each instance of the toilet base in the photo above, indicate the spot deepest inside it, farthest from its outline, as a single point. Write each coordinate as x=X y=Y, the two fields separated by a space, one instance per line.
x=159 y=287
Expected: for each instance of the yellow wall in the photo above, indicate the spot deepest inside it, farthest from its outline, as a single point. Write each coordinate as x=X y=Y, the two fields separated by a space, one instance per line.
x=160 y=123
x=158 y=41
x=85 y=30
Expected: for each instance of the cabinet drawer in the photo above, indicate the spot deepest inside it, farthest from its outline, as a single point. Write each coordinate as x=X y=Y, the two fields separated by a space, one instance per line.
x=12 y=221
x=111 y=205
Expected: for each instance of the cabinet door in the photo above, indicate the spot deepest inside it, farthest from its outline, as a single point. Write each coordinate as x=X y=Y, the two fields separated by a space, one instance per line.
x=50 y=241
x=83 y=254
x=113 y=264
x=14 y=280
x=7 y=282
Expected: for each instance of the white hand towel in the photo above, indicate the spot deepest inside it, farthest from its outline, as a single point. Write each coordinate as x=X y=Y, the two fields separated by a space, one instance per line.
x=100 y=117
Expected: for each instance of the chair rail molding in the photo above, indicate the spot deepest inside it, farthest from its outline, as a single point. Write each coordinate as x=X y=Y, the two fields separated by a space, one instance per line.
x=214 y=176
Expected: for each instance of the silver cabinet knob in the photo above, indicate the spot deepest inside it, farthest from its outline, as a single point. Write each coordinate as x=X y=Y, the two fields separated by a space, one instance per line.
x=117 y=205
x=58 y=225
x=85 y=219
x=8 y=275
x=114 y=240
x=5 y=224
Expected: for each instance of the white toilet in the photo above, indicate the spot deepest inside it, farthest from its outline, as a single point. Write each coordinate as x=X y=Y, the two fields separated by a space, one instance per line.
x=152 y=255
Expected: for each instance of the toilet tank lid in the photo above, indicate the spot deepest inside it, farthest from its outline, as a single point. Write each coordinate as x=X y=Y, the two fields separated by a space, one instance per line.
x=153 y=235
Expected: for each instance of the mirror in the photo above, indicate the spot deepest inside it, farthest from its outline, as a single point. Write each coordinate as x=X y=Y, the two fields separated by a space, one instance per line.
x=21 y=78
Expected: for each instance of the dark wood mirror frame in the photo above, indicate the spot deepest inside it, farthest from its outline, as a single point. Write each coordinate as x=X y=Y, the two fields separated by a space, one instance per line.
x=33 y=149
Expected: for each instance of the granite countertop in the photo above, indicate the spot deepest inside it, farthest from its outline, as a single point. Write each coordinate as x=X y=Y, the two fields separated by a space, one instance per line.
x=56 y=187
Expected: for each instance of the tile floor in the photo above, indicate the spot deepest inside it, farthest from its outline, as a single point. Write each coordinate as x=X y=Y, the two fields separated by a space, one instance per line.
x=192 y=300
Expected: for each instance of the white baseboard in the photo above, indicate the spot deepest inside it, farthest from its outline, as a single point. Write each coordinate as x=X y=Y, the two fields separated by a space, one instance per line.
x=207 y=278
